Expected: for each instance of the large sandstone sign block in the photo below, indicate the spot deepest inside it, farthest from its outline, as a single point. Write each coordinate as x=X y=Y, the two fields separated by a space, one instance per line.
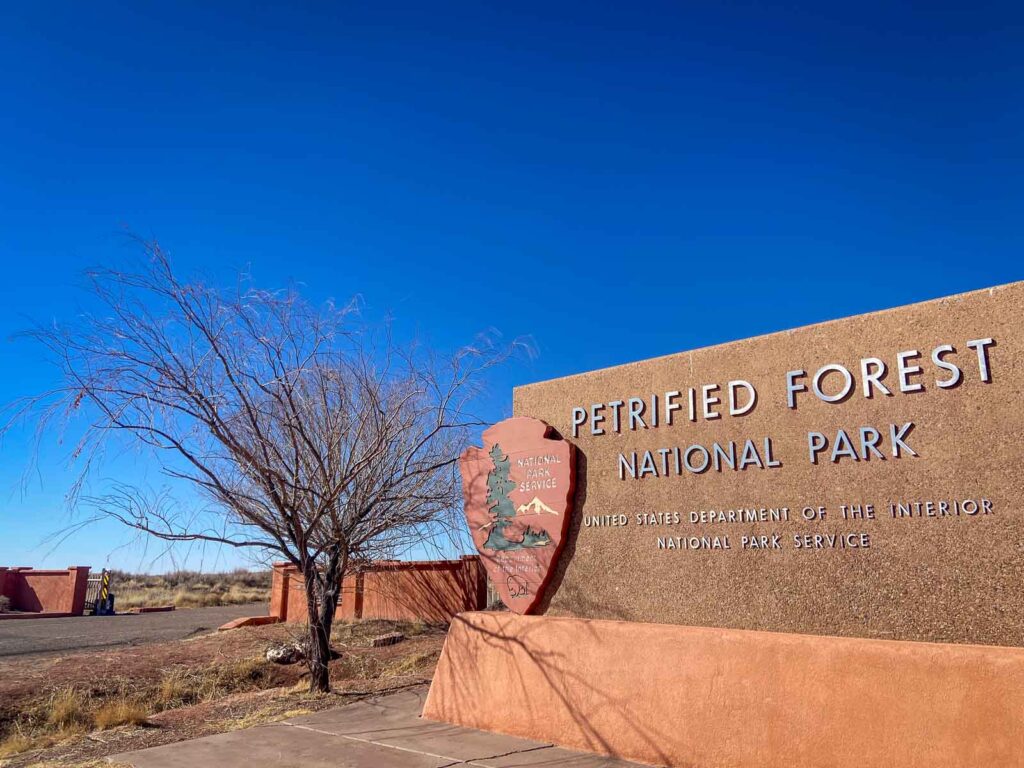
x=761 y=535
x=861 y=477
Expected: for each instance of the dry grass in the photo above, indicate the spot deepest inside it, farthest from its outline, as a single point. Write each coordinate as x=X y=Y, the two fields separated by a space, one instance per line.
x=189 y=589
x=181 y=687
x=358 y=634
x=414 y=665
x=123 y=712
x=69 y=711
x=263 y=716
x=190 y=688
x=15 y=744
x=64 y=714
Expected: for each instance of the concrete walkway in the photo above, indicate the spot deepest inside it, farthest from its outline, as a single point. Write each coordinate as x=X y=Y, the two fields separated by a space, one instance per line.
x=376 y=733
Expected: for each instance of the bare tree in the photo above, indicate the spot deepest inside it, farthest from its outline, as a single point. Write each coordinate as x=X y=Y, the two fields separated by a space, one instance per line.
x=310 y=436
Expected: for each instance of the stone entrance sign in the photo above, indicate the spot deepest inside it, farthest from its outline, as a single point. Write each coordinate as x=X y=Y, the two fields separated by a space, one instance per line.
x=861 y=477
x=518 y=493
x=757 y=528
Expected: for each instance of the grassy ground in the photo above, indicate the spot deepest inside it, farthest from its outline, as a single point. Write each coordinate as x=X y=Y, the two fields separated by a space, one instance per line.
x=75 y=710
x=188 y=589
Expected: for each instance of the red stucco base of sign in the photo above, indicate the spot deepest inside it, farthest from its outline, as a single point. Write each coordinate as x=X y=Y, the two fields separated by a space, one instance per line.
x=691 y=696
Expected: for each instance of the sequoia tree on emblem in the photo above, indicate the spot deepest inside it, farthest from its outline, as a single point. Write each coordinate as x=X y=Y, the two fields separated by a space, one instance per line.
x=518 y=492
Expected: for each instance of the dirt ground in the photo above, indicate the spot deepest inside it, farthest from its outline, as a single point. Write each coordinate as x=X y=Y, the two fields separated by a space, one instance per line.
x=187 y=688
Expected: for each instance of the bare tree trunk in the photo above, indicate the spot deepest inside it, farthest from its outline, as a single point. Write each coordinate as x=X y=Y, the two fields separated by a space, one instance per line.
x=321 y=604
x=318 y=654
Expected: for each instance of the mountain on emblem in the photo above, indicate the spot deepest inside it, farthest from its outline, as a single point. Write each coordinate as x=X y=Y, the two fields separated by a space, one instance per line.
x=519 y=490
x=503 y=515
x=535 y=507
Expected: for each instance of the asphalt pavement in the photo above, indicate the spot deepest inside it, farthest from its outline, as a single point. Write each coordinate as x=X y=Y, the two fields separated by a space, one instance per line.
x=25 y=637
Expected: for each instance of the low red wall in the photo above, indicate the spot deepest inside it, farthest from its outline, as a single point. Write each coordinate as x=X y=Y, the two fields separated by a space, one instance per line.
x=694 y=696
x=432 y=591
x=35 y=591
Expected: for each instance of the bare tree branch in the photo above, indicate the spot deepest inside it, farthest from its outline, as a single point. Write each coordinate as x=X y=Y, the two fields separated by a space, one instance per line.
x=311 y=436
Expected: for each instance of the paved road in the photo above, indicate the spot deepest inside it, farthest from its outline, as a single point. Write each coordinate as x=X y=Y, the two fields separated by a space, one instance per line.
x=44 y=636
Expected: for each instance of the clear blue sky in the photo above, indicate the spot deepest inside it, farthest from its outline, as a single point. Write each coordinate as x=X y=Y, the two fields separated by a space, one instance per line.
x=616 y=184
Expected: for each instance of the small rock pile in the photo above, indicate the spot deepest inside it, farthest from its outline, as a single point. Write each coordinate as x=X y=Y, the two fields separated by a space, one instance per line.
x=292 y=653
x=286 y=654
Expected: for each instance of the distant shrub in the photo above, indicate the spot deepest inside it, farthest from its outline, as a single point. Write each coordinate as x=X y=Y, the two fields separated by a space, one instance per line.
x=190 y=589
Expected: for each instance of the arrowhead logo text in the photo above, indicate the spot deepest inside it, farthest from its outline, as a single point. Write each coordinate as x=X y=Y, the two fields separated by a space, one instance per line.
x=518 y=492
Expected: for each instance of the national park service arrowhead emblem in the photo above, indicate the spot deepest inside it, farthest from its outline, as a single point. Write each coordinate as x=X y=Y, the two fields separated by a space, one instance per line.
x=518 y=492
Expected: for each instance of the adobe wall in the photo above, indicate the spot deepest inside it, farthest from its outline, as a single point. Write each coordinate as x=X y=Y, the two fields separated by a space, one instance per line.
x=45 y=591
x=430 y=591
x=287 y=594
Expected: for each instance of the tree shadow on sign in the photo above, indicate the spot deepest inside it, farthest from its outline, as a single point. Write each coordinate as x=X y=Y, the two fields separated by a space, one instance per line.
x=538 y=688
x=542 y=684
x=582 y=603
